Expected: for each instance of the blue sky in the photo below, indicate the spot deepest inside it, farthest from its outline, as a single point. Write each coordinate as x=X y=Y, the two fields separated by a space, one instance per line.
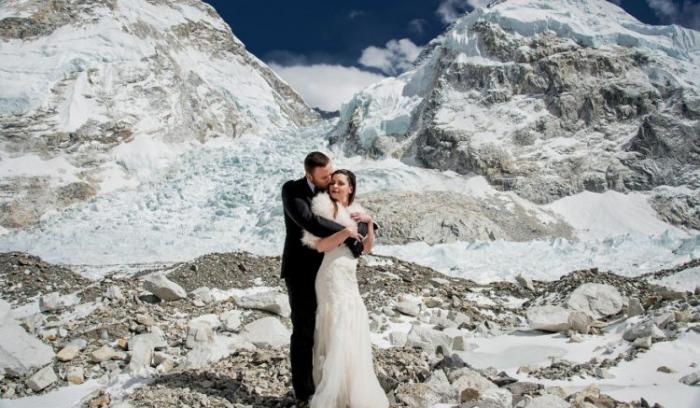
x=318 y=45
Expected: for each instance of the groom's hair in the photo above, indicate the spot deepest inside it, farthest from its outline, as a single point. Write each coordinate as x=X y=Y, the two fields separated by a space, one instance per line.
x=315 y=159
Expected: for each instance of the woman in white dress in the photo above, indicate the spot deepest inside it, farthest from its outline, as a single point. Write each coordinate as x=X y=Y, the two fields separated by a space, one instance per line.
x=342 y=365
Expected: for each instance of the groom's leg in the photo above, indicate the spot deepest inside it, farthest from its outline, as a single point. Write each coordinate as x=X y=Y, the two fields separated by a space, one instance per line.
x=302 y=299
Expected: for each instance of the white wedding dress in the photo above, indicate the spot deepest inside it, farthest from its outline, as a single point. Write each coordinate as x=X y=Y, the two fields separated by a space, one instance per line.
x=342 y=365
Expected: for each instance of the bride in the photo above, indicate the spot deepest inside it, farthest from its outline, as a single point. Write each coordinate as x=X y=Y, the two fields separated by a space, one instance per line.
x=342 y=363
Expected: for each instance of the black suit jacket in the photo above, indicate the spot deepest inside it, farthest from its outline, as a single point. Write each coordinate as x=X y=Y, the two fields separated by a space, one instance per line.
x=298 y=260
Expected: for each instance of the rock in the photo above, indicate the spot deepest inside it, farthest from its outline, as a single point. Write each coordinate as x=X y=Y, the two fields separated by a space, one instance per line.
x=42 y=379
x=123 y=343
x=643 y=329
x=81 y=344
x=667 y=370
x=634 y=308
x=163 y=288
x=664 y=319
x=596 y=300
x=548 y=318
x=601 y=372
x=691 y=379
x=141 y=349
x=20 y=352
x=114 y=293
x=5 y=309
x=525 y=282
x=145 y=320
x=398 y=339
x=465 y=377
x=669 y=294
x=461 y=343
x=580 y=322
x=420 y=395
x=199 y=331
x=432 y=302
x=68 y=353
x=231 y=320
x=104 y=353
x=428 y=339
x=492 y=398
x=642 y=343
x=204 y=294
x=54 y=302
x=268 y=331
x=548 y=401
x=272 y=301
x=213 y=350
x=75 y=375
x=408 y=308
x=521 y=388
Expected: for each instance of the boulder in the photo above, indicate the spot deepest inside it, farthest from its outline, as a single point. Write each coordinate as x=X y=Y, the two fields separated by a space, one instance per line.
x=643 y=329
x=691 y=379
x=141 y=348
x=55 y=302
x=634 y=308
x=42 y=379
x=204 y=294
x=398 y=339
x=268 y=331
x=548 y=401
x=114 y=293
x=548 y=318
x=596 y=300
x=104 y=353
x=205 y=353
x=491 y=398
x=408 y=308
x=272 y=301
x=5 y=315
x=428 y=339
x=163 y=288
x=75 y=375
x=525 y=282
x=580 y=322
x=68 y=353
x=231 y=319
x=21 y=353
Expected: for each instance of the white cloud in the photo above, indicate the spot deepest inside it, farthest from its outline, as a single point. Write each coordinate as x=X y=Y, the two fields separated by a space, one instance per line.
x=417 y=25
x=395 y=58
x=326 y=86
x=451 y=10
x=686 y=13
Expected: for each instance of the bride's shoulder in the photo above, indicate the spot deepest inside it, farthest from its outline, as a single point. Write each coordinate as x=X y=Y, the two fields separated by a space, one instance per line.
x=357 y=207
x=322 y=205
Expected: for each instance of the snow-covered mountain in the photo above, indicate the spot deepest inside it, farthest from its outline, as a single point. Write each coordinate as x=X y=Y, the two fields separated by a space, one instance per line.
x=95 y=94
x=546 y=99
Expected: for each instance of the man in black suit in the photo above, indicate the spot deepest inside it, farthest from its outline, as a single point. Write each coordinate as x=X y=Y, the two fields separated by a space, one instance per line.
x=300 y=265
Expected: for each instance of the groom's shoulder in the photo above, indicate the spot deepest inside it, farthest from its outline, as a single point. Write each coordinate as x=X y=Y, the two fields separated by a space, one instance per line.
x=291 y=185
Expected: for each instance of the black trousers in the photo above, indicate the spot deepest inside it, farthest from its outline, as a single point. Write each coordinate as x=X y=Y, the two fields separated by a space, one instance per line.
x=302 y=300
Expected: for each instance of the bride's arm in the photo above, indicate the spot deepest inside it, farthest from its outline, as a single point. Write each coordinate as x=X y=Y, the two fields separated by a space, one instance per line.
x=368 y=242
x=335 y=240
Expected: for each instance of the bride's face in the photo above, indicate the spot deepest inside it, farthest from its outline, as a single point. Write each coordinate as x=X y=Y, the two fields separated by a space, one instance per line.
x=339 y=188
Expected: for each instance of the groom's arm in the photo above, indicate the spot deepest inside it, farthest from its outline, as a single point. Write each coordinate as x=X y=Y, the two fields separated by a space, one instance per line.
x=299 y=211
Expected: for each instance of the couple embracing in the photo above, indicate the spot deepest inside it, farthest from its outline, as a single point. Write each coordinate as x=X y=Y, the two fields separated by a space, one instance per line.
x=331 y=353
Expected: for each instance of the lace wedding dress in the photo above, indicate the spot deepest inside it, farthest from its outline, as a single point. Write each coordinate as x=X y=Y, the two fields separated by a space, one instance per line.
x=343 y=371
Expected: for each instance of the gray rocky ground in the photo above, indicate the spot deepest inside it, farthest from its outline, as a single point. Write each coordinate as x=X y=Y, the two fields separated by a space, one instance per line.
x=198 y=350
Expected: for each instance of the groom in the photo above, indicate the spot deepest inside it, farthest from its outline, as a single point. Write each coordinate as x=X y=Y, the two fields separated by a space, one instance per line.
x=300 y=265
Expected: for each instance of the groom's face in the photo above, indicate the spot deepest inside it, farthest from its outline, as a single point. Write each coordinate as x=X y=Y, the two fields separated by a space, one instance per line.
x=321 y=176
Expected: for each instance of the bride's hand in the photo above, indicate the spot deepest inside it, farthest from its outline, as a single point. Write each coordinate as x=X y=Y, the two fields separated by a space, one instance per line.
x=361 y=217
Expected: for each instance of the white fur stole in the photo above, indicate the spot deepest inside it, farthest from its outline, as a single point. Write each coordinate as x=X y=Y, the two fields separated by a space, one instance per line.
x=322 y=205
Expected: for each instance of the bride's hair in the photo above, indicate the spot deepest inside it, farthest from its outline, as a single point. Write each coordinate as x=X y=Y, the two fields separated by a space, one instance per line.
x=351 y=180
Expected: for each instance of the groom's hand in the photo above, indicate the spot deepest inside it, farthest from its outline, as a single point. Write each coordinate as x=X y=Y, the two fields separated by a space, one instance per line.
x=356 y=247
